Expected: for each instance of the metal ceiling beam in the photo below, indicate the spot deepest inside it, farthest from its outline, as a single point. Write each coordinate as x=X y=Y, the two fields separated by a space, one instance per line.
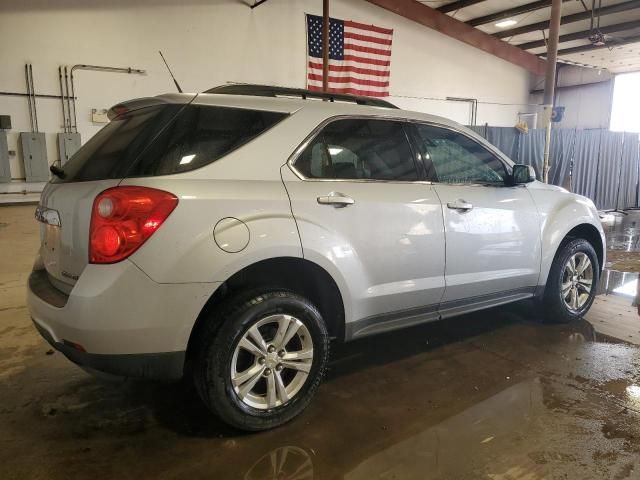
x=576 y=17
x=504 y=14
x=452 y=7
x=257 y=4
x=432 y=18
x=590 y=47
x=620 y=27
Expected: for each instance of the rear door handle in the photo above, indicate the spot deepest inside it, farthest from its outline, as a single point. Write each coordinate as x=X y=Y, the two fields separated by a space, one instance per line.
x=460 y=205
x=337 y=199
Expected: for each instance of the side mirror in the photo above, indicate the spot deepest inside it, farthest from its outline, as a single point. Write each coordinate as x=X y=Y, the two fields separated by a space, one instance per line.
x=522 y=174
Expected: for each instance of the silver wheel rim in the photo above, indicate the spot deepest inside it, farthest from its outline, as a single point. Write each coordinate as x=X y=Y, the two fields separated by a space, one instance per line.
x=577 y=281
x=272 y=361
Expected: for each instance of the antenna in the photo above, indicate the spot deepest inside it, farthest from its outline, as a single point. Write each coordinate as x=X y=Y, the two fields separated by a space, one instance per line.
x=170 y=72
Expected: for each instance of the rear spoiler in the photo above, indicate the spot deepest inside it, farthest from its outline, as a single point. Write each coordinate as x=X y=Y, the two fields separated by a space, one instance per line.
x=137 y=103
x=130 y=105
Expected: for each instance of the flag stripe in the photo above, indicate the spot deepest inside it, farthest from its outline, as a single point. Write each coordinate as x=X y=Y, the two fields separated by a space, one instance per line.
x=367 y=38
x=372 y=88
x=375 y=78
x=350 y=91
x=350 y=79
x=369 y=50
x=348 y=68
x=362 y=43
x=371 y=61
x=370 y=28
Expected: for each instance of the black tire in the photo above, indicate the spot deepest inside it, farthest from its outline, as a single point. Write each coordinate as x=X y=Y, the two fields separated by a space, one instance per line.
x=216 y=346
x=555 y=308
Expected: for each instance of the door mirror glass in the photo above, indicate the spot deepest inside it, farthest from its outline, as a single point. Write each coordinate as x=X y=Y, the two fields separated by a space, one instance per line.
x=523 y=174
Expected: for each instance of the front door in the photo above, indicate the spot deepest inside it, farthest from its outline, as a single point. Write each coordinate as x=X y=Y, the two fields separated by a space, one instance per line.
x=364 y=215
x=492 y=229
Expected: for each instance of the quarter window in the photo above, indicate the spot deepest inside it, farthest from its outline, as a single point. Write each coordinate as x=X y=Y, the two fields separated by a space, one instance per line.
x=359 y=149
x=455 y=158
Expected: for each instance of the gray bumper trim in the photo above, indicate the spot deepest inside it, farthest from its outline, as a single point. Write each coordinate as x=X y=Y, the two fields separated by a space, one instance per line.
x=153 y=366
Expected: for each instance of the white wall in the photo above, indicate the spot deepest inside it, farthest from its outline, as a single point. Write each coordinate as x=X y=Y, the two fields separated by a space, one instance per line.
x=209 y=42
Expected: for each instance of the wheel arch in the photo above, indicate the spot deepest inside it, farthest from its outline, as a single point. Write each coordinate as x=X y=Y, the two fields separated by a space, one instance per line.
x=584 y=230
x=298 y=275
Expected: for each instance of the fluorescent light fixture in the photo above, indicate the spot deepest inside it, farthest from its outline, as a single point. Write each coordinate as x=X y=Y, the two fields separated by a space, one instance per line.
x=506 y=23
x=187 y=159
x=334 y=150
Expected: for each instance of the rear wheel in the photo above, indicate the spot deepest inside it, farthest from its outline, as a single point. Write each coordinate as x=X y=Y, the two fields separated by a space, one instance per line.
x=572 y=282
x=263 y=365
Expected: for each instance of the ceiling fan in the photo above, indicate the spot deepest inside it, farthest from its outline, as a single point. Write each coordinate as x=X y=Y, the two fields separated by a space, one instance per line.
x=596 y=36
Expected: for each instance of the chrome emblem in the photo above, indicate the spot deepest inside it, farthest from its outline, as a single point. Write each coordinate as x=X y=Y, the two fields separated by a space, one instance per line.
x=48 y=216
x=69 y=275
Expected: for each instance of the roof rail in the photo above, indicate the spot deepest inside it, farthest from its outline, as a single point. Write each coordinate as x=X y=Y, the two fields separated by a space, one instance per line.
x=272 y=91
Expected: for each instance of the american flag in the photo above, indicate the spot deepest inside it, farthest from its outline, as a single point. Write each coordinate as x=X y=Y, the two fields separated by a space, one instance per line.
x=359 y=57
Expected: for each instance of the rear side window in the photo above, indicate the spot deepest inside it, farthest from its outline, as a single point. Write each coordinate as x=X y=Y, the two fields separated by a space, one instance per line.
x=166 y=139
x=201 y=135
x=367 y=149
x=115 y=148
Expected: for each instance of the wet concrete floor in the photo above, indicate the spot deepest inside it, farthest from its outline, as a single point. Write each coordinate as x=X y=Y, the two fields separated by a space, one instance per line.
x=494 y=395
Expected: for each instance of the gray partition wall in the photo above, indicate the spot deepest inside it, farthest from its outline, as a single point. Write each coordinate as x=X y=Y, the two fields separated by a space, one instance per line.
x=605 y=165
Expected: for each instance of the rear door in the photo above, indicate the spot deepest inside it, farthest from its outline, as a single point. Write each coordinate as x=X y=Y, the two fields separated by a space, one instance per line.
x=492 y=229
x=364 y=214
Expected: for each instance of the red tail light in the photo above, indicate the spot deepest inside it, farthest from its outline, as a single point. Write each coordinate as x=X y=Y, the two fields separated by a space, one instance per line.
x=123 y=218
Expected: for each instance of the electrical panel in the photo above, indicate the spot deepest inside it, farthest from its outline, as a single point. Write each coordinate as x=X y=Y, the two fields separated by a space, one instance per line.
x=34 y=155
x=68 y=144
x=5 y=169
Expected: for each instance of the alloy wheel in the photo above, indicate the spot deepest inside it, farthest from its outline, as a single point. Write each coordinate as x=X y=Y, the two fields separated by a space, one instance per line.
x=272 y=361
x=577 y=281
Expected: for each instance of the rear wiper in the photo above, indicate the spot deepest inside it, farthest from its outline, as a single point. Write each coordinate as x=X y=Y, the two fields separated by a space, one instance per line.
x=57 y=171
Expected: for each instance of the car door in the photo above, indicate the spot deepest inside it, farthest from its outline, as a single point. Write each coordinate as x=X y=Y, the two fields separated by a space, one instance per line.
x=364 y=215
x=492 y=229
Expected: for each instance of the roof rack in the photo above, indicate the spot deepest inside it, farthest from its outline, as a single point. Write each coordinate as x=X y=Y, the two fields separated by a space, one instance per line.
x=271 y=91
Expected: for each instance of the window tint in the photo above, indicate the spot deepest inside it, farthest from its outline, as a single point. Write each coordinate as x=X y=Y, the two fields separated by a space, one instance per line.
x=455 y=158
x=201 y=135
x=359 y=149
x=165 y=139
x=112 y=151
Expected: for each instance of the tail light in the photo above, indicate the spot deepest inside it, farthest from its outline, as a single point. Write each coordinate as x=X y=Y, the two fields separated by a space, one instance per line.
x=123 y=218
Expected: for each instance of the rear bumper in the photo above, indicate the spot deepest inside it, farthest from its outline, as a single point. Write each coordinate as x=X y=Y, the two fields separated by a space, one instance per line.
x=158 y=366
x=119 y=321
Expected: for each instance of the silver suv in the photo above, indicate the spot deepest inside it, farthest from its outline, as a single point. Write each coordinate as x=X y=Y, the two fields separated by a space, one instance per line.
x=230 y=235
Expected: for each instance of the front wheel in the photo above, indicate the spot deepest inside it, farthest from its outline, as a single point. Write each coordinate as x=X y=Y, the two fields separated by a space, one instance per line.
x=572 y=282
x=263 y=365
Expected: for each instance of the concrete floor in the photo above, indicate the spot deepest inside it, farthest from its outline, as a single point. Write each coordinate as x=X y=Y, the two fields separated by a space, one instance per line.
x=493 y=395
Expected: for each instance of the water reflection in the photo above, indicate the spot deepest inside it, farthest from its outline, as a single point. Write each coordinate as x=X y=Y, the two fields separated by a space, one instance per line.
x=283 y=463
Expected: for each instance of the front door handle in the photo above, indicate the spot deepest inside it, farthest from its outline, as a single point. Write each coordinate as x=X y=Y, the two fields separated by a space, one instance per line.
x=337 y=199
x=460 y=205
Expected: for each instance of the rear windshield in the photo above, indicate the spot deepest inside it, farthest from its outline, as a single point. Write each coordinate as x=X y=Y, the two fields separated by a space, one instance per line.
x=165 y=139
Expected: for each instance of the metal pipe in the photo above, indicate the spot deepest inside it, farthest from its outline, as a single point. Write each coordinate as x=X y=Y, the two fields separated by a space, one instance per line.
x=66 y=82
x=20 y=94
x=26 y=79
x=73 y=102
x=33 y=95
x=325 y=45
x=550 y=79
x=98 y=68
x=64 y=113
